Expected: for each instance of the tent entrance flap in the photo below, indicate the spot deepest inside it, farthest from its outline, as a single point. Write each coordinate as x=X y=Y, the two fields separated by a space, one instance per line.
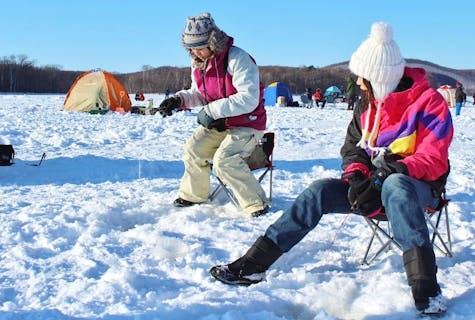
x=275 y=90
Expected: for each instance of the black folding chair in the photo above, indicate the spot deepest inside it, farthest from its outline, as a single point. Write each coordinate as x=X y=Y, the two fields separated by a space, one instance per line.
x=260 y=162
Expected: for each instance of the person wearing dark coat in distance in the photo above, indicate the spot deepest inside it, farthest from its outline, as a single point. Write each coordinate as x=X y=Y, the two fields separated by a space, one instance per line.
x=350 y=92
x=460 y=98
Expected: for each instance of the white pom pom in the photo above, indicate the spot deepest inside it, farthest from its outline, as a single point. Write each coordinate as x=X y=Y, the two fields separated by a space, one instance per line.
x=381 y=32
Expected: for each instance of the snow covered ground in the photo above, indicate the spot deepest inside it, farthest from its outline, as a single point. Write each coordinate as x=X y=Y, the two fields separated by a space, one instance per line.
x=91 y=232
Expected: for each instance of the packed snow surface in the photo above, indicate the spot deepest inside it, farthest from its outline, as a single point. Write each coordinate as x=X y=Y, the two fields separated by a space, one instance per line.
x=90 y=233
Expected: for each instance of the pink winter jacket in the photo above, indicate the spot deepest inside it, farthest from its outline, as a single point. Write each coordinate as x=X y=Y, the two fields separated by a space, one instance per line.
x=415 y=124
x=229 y=88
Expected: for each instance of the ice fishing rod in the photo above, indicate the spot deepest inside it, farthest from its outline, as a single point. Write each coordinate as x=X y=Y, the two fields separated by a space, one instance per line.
x=43 y=156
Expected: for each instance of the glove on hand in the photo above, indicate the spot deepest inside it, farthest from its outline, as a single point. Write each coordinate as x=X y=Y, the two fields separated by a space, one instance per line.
x=168 y=105
x=365 y=198
x=206 y=121
x=219 y=124
x=362 y=194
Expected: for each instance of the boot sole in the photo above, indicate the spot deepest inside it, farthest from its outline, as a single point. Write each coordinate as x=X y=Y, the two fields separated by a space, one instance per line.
x=231 y=279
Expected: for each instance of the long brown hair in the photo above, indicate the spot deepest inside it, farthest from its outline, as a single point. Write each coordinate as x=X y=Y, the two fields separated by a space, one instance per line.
x=368 y=95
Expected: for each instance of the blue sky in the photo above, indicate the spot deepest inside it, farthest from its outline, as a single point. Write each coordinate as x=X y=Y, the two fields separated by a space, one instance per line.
x=125 y=35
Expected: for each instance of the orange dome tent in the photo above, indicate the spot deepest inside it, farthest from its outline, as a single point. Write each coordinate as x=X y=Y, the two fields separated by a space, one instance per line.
x=97 y=91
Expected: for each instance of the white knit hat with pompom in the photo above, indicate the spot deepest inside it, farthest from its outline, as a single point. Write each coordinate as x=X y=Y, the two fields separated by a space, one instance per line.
x=379 y=60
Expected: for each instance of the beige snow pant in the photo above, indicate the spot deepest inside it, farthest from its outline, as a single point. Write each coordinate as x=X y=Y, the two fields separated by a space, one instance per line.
x=227 y=150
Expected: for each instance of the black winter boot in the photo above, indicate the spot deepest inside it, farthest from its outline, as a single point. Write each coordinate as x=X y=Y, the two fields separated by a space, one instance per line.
x=251 y=267
x=421 y=270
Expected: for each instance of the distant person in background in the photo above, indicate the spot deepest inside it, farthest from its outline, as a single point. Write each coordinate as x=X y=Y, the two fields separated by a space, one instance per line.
x=167 y=93
x=318 y=97
x=225 y=83
x=350 y=92
x=308 y=93
x=473 y=97
x=460 y=98
x=395 y=157
x=139 y=96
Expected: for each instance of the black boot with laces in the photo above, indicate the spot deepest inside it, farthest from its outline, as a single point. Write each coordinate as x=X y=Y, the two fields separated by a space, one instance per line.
x=251 y=267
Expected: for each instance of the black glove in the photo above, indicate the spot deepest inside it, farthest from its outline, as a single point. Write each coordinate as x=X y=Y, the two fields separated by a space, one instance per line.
x=364 y=197
x=206 y=121
x=168 y=105
x=219 y=124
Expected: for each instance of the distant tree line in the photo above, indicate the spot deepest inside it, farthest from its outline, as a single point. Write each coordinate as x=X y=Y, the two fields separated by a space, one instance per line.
x=19 y=74
x=298 y=79
x=174 y=78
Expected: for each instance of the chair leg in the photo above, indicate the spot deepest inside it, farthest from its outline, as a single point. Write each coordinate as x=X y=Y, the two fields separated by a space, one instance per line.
x=385 y=245
x=270 y=184
x=433 y=219
x=365 y=258
x=445 y=246
x=261 y=177
x=449 y=237
x=222 y=187
x=215 y=192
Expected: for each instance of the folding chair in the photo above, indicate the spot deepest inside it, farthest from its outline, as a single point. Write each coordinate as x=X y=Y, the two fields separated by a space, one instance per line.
x=259 y=161
x=381 y=231
x=307 y=103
